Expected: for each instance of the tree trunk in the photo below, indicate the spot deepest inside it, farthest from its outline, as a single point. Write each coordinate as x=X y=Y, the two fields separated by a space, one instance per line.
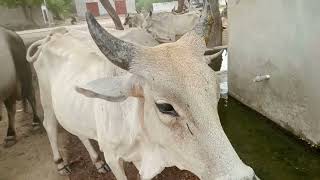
x=215 y=31
x=27 y=11
x=116 y=20
x=180 y=6
x=215 y=37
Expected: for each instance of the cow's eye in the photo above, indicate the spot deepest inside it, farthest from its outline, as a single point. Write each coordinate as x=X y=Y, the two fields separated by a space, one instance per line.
x=166 y=108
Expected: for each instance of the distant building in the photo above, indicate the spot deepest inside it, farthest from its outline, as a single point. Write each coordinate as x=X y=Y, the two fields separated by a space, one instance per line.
x=96 y=8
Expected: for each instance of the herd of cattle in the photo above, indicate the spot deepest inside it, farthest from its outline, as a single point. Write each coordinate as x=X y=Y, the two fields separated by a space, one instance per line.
x=148 y=103
x=164 y=27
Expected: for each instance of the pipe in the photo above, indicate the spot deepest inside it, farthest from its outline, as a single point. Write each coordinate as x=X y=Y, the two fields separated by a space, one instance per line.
x=261 y=78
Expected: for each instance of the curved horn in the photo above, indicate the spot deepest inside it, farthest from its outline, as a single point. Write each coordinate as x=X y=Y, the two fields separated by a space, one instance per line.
x=117 y=51
x=200 y=27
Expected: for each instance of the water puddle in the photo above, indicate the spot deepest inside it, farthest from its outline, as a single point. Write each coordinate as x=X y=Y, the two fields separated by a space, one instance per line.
x=273 y=153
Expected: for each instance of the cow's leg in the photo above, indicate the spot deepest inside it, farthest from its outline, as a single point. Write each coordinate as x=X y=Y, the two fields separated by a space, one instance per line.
x=0 y=110
x=101 y=166
x=137 y=164
x=116 y=166
x=10 y=104
x=24 y=105
x=36 y=120
x=140 y=178
x=50 y=123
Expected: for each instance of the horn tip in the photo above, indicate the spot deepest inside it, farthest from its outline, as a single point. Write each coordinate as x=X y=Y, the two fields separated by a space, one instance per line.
x=89 y=16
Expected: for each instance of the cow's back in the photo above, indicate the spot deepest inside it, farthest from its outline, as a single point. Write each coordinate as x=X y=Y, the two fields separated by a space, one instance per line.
x=166 y=26
x=72 y=59
x=13 y=62
x=7 y=68
x=66 y=61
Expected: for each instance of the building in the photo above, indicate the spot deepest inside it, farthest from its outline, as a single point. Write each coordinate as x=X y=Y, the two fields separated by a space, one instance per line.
x=279 y=38
x=96 y=8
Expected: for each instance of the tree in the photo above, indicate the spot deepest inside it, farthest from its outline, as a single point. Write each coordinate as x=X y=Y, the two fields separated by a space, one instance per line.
x=181 y=6
x=215 y=35
x=60 y=8
x=116 y=20
x=26 y=6
x=211 y=19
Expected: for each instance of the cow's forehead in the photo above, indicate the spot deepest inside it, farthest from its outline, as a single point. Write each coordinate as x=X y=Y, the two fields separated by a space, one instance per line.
x=177 y=70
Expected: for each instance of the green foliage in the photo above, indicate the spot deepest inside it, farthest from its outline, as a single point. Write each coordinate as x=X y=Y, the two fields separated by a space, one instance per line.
x=147 y=4
x=59 y=8
x=22 y=3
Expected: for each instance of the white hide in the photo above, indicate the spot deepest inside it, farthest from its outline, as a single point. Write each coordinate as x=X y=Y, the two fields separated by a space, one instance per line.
x=70 y=60
x=166 y=27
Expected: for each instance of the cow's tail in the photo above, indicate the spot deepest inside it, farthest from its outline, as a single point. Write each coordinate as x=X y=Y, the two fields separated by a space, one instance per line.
x=36 y=48
x=38 y=44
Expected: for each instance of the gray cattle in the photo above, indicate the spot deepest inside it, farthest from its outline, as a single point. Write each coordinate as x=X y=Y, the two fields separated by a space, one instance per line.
x=164 y=27
x=15 y=79
x=134 y=20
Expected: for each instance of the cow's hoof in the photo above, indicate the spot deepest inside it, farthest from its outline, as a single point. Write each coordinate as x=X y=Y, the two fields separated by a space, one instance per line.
x=103 y=167
x=64 y=171
x=9 y=141
x=35 y=126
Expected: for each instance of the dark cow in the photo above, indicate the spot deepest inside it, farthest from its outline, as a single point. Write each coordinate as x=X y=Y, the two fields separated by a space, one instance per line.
x=15 y=79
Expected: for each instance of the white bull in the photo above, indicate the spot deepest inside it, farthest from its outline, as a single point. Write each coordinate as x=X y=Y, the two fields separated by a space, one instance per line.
x=165 y=27
x=159 y=109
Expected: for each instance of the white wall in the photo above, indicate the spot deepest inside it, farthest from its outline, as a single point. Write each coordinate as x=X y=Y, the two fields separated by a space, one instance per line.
x=82 y=9
x=280 y=38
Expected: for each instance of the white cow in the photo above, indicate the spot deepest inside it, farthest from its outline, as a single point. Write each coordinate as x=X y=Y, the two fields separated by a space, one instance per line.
x=164 y=27
x=159 y=109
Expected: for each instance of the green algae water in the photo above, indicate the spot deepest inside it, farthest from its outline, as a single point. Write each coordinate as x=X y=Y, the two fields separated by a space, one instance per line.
x=273 y=153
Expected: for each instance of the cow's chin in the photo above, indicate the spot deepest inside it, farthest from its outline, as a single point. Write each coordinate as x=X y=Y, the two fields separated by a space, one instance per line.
x=239 y=172
x=157 y=158
x=242 y=172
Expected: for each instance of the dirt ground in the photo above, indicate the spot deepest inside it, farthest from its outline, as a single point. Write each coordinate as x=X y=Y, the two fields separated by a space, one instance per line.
x=31 y=157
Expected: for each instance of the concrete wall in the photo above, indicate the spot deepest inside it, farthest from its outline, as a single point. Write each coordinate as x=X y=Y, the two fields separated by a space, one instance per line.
x=14 y=18
x=280 y=38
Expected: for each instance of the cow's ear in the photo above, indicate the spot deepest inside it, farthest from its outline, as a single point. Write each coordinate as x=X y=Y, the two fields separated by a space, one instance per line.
x=114 y=89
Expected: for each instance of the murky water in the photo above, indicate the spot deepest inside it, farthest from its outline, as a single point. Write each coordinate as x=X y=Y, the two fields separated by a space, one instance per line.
x=273 y=153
